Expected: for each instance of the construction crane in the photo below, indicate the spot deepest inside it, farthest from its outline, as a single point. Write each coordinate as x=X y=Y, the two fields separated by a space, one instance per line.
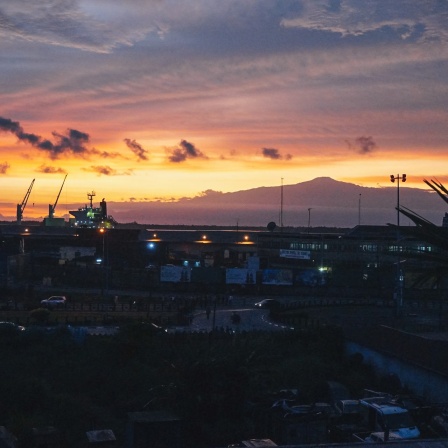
x=21 y=207
x=52 y=208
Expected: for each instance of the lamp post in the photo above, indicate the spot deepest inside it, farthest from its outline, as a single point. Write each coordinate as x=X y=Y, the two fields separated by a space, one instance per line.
x=309 y=219
x=102 y=231
x=399 y=280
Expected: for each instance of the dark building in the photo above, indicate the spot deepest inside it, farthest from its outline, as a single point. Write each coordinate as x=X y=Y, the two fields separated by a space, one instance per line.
x=365 y=257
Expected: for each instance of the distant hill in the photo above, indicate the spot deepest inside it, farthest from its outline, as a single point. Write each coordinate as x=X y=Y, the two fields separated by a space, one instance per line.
x=332 y=203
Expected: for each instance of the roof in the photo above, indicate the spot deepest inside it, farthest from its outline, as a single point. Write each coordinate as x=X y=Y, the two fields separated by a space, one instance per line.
x=380 y=404
x=403 y=443
x=7 y=440
x=103 y=435
x=259 y=443
x=389 y=409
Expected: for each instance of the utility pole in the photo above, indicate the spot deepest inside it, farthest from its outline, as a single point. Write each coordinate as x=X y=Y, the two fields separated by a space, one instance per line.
x=281 y=206
x=309 y=219
x=359 y=210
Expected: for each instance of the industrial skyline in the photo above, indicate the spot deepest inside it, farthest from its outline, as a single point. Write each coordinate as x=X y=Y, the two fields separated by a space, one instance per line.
x=321 y=202
x=157 y=101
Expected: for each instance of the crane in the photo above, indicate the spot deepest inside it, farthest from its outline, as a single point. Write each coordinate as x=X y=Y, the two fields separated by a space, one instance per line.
x=21 y=207
x=52 y=208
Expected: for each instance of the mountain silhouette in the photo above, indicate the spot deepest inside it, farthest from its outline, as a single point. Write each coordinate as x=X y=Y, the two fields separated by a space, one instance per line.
x=321 y=202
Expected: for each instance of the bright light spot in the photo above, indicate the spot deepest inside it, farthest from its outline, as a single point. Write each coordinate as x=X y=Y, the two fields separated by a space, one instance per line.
x=204 y=237
x=151 y=245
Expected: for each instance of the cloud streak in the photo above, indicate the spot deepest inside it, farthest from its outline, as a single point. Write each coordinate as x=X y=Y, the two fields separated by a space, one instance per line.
x=274 y=154
x=106 y=170
x=425 y=20
x=50 y=170
x=69 y=24
x=365 y=144
x=186 y=150
x=72 y=143
x=137 y=149
x=362 y=145
x=4 y=167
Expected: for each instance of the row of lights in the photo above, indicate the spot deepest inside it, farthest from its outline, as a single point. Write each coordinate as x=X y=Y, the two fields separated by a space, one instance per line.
x=204 y=239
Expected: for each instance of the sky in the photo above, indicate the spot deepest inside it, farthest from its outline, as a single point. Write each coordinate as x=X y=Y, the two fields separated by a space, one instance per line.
x=157 y=100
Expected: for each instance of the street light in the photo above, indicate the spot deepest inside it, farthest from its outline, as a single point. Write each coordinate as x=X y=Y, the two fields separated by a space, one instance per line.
x=393 y=179
x=399 y=280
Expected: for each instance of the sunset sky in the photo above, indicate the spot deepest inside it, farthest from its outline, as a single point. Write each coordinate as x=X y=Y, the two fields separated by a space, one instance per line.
x=149 y=100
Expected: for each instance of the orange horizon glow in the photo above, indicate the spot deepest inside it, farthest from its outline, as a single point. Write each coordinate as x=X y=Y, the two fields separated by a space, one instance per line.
x=129 y=181
x=149 y=102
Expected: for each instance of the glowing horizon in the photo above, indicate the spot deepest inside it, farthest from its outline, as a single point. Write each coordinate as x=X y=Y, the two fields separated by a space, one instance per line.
x=159 y=101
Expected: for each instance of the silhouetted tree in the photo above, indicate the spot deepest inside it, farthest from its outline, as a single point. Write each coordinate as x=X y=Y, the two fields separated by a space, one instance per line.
x=435 y=235
x=436 y=276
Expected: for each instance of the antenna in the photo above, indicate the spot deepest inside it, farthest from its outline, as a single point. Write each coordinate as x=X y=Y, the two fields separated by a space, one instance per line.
x=359 y=210
x=90 y=196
